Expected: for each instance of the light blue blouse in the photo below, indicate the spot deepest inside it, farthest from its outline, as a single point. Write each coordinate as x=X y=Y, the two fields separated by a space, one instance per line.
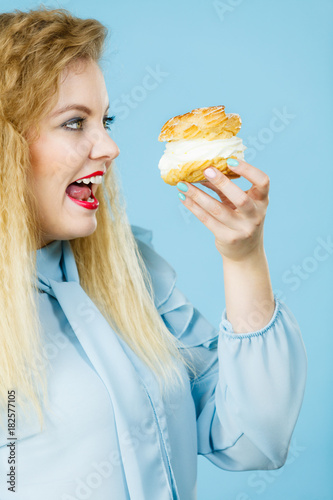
x=239 y=413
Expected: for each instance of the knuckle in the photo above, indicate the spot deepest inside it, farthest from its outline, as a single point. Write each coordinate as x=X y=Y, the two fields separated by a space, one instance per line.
x=247 y=234
x=223 y=181
x=195 y=196
x=203 y=218
x=216 y=209
x=233 y=239
x=265 y=182
x=257 y=221
x=243 y=200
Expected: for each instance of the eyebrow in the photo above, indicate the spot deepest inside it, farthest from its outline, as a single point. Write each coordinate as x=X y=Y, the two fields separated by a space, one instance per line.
x=79 y=107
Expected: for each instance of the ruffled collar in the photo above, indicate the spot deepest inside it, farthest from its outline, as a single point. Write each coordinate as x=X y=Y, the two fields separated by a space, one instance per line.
x=55 y=262
x=48 y=261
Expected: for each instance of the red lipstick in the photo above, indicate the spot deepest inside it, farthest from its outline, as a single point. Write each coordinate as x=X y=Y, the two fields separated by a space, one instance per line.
x=86 y=204
x=99 y=172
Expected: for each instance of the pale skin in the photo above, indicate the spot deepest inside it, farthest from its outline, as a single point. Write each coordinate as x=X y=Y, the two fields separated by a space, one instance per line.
x=237 y=222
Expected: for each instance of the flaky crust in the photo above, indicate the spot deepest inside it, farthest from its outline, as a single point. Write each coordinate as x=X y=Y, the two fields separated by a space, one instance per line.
x=193 y=171
x=202 y=123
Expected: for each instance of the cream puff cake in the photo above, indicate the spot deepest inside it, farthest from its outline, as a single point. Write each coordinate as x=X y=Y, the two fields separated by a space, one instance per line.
x=197 y=140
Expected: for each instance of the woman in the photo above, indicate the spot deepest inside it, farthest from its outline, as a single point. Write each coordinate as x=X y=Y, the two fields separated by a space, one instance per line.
x=111 y=381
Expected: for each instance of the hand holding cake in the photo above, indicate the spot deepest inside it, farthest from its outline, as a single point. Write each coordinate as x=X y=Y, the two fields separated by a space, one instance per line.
x=203 y=147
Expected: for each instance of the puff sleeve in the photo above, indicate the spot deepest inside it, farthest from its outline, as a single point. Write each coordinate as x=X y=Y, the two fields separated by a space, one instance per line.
x=249 y=387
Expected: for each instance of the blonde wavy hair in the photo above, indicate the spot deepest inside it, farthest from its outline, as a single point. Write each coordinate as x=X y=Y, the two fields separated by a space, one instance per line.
x=35 y=47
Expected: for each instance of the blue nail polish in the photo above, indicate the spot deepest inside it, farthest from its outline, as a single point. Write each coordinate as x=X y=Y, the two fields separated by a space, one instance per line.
x=232 y=162
x=181 y=196
x=182 y=186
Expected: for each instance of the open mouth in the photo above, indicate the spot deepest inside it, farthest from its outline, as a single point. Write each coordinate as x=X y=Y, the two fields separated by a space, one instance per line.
x=83 y=189
x=80 y=191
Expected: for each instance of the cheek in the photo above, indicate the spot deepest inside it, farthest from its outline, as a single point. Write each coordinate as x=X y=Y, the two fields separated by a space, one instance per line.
x=57 y=159
x=75 y=149
x=45 y=155
x=54 y=160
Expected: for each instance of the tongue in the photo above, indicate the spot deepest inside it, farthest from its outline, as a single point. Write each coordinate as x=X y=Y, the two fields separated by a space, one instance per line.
x=79 y=192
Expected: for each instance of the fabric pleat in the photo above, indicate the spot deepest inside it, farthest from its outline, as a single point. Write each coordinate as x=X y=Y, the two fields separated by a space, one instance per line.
x=135 y=399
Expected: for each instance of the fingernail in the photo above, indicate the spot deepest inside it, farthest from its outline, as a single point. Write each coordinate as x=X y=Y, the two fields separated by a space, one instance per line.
x=182 y=186
x=232 y=162
x=181 y=196
x=209 y=172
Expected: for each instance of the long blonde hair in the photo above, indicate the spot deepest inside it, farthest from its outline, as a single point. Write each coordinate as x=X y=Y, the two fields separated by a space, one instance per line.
x=35 y=47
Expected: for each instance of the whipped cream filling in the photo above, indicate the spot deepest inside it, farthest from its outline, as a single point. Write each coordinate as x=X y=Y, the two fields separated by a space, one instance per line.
x=177 y=153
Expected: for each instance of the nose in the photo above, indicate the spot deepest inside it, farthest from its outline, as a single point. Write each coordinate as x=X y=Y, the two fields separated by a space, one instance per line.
x=103 y=146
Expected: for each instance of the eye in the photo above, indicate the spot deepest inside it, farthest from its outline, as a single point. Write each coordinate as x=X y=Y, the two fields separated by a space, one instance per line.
x=108 y=120
x=77 y=123
x=71 y=124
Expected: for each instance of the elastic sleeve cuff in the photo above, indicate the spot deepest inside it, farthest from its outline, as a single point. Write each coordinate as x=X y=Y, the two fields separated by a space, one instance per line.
x=226 y=328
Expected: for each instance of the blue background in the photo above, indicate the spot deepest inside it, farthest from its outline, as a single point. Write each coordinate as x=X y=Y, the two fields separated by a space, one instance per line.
x=260 y=59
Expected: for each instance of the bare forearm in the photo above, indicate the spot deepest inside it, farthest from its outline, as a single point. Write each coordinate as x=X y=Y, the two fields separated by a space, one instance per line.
x=248 y=292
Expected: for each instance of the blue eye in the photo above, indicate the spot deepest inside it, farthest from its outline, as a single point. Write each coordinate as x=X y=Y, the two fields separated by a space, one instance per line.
x=77 y=123
x=108 y=120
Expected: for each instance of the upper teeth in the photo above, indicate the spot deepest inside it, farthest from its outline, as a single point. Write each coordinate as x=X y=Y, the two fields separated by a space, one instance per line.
x=94 y=180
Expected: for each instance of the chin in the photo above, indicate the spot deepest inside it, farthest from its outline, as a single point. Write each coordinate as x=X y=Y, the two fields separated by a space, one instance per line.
x=71 y=233
x=85 y=231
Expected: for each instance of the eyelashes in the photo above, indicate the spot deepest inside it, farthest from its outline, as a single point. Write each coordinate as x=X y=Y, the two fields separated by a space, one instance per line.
x=107 y=121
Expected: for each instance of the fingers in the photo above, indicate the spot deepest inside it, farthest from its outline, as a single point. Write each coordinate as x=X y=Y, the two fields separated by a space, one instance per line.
x=241 y=214
x=258 y=178
x=222 y=196
x=242 y=201
x=207 y=209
